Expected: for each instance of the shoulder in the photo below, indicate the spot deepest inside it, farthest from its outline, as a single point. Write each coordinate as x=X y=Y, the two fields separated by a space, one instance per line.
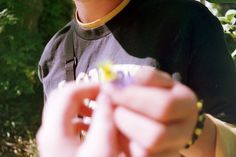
x=175 y=14
x=53 y=49
x=55 y=46
x=190 y=16
x=175 y=9
x=52 y=62
x=52 y=46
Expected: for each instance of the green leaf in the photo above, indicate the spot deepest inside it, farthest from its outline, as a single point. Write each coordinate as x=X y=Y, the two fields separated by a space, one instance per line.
x=230 y=14
x=222 y=1
x=223 y=19
x=234 y=53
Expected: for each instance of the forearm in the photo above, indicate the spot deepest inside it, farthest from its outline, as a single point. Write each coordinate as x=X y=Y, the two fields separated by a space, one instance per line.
x=206 y=143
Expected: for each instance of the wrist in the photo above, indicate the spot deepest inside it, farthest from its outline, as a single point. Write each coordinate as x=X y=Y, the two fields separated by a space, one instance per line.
x=205 y=145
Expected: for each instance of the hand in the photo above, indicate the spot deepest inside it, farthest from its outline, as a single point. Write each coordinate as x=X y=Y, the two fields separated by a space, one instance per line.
x=156 y=115
x=58 y=135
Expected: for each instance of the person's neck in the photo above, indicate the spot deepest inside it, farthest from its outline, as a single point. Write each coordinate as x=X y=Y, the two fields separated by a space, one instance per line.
x=91 y=10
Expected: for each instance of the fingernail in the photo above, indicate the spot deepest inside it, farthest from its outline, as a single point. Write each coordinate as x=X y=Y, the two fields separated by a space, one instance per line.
x=177 y=76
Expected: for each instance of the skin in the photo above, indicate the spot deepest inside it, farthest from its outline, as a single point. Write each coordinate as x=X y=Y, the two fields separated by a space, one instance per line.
x=86 y=9
x=159 y=118
x=59 y=133
x=157 y=124
x=155 y=116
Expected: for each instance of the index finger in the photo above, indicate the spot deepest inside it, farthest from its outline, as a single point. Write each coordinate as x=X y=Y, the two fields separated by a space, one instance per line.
x=160 y=104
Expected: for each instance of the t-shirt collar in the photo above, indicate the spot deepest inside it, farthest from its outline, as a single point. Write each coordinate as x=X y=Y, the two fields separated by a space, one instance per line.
x=99 y=22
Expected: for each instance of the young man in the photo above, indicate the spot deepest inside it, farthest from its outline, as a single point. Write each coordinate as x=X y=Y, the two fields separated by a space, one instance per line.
x=155 y=115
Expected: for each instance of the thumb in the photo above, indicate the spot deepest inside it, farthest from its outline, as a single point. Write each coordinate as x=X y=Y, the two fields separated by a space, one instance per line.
x=101 y=139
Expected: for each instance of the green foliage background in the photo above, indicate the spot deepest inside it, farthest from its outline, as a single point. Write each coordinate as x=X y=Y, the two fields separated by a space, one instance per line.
x=25 y=27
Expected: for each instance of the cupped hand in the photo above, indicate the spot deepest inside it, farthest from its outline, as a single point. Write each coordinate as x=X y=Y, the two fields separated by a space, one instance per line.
x=59 y=133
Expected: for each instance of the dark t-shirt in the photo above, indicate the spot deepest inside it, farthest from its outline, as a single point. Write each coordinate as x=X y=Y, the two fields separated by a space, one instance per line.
x=174 y=36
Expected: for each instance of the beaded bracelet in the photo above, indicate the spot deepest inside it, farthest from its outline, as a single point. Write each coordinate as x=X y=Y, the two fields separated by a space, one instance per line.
x=199 y=125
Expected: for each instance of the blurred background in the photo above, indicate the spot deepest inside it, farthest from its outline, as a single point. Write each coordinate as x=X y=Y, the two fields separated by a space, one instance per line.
x=25 y=27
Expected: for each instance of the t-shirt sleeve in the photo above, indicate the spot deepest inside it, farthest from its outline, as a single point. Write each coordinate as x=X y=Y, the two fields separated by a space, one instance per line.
x=212 y=73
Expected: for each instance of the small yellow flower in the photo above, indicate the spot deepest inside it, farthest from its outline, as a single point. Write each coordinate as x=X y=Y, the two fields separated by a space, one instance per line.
x=107 y=73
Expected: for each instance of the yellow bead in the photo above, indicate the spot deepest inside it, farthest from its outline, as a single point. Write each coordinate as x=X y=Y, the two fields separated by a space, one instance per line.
x=190 y=142
x=199 y=105
x=201 y=118
x=198 y=131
